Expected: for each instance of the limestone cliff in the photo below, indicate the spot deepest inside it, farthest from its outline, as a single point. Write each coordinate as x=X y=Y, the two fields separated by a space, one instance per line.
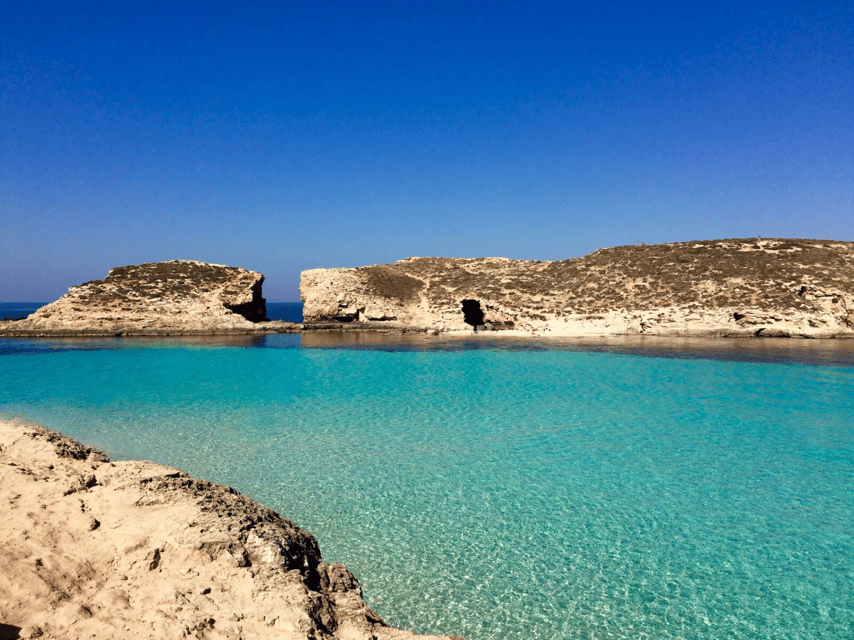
x=739 y=287
x=157 y=297
x=130 y=549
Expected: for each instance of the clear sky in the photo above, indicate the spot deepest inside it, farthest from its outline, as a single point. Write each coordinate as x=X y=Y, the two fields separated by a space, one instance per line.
x=282 y=136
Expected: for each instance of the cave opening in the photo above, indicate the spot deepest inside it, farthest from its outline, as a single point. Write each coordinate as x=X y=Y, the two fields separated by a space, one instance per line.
x=472 y=313
x=256 y=309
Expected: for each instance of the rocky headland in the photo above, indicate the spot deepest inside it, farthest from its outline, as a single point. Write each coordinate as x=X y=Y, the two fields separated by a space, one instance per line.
x=176 y=297
x=130 y=549
x=713 y=288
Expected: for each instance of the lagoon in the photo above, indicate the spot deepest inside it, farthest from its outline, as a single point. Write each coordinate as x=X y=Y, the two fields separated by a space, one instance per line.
x=507 y=489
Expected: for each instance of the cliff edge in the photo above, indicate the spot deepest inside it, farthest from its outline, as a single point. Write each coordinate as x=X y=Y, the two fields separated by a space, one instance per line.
x=131 y=549
x=177 y=296
x=734 y=288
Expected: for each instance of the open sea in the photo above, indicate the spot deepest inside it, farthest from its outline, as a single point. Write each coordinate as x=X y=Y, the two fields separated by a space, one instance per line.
x=634 y=488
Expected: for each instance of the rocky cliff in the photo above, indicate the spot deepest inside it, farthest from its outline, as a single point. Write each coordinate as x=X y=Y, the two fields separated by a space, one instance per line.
x=740 y=287
x=180 y=296
x=100 y=549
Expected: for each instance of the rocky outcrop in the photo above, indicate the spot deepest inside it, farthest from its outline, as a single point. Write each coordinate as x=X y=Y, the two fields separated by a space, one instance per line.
x=742 y=287
x=100 y=549
x=177 y=296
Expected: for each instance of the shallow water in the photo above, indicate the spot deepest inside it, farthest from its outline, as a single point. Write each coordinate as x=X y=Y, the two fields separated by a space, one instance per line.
x=508 y=489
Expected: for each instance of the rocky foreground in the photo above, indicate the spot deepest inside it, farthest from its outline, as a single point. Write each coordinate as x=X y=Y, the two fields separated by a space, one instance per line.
x=176 y=297
x=99 y=549
x=715 y=288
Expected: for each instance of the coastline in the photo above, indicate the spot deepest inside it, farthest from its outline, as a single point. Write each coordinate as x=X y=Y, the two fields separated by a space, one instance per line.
x=100 y=548
x=554 y=329
x=8 y=329
x=736 y=288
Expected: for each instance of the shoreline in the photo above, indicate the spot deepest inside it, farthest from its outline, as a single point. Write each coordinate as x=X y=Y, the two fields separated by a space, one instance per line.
x=7 y=331
x=821 y=352
x=131 y=548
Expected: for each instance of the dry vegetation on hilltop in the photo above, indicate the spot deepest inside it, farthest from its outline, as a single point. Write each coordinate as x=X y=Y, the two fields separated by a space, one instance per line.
x=766 y=274
x=386 y=282
x=177 y=279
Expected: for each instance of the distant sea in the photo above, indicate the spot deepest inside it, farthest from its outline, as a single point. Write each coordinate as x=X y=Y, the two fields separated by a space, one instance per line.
x=287 y=311
x=18 y=310
x=504 y=489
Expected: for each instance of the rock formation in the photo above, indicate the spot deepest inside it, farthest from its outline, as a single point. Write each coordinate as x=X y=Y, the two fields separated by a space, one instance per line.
x=742 y=287
x=100 y=549
x=177 y=296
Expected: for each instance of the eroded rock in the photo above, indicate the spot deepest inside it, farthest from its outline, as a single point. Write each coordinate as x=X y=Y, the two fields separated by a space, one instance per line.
x=155 y=298
x=148 y=552
x=706 y=288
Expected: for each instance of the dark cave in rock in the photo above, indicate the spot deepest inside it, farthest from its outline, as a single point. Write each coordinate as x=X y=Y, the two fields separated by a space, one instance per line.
x=472 y=313
x=256 y=309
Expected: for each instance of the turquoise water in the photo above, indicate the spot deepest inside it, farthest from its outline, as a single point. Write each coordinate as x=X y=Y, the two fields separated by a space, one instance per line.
x=506 y=493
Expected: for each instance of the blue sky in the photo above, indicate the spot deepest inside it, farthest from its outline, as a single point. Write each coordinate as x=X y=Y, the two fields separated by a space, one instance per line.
x=285 y=136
